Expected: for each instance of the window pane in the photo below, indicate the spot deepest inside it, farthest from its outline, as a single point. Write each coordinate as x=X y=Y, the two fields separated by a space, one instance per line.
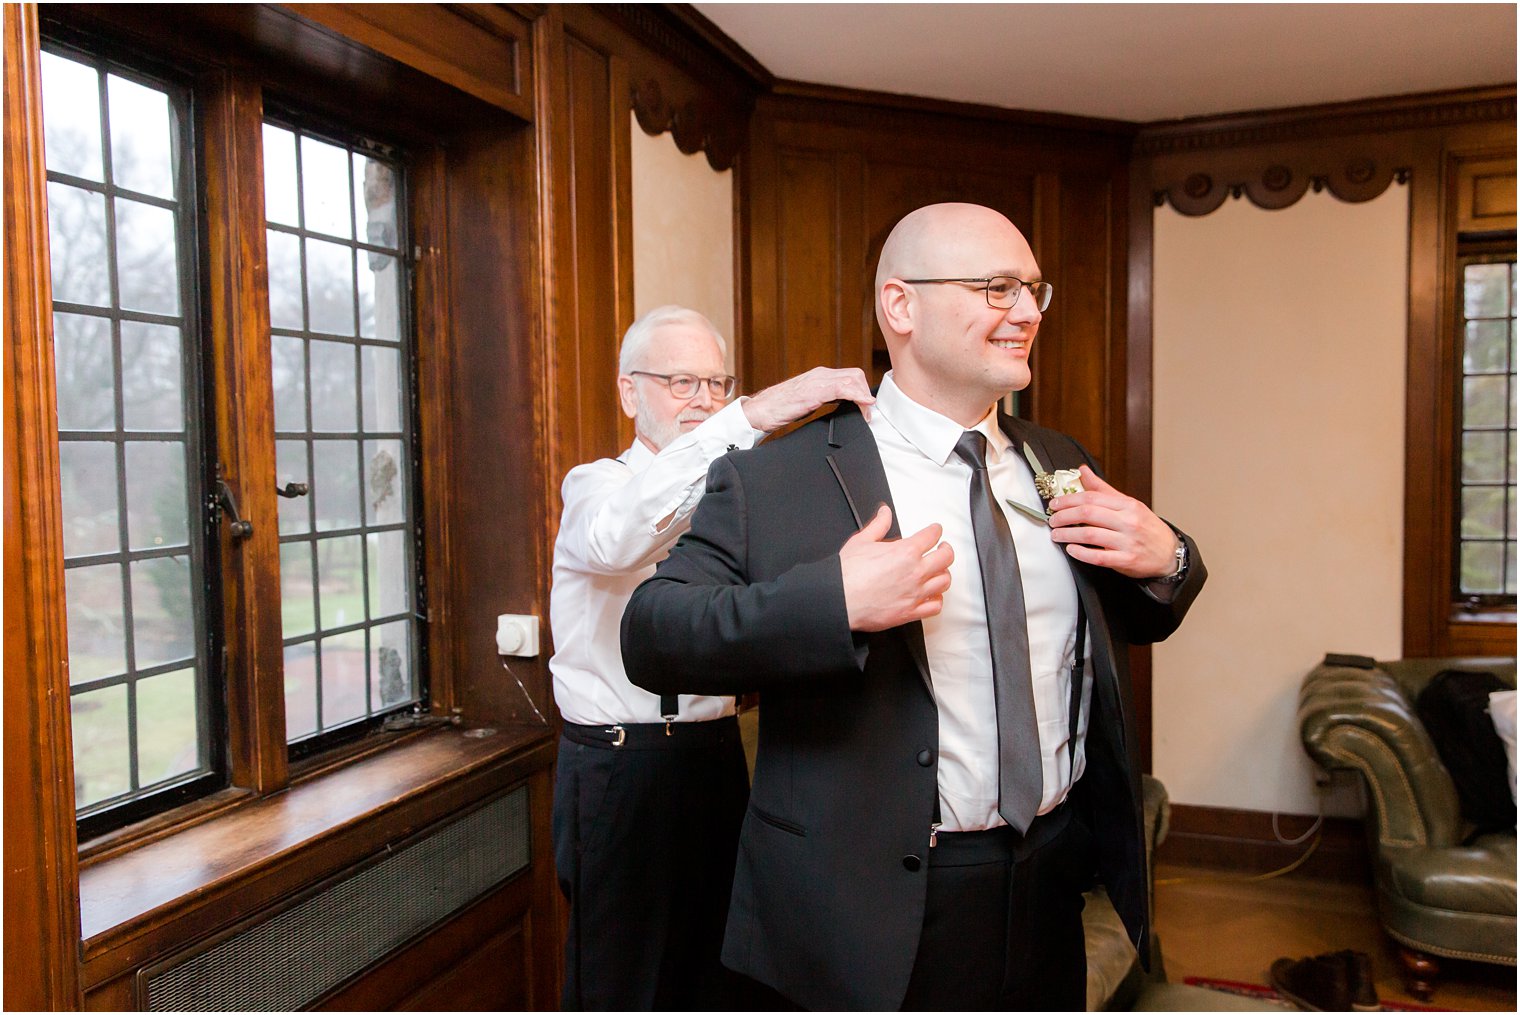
x=379 y=306
x=343 y=678
x=290 y=464
x=147 y=274
x=298 y=607
x=340 y=581
x=335 y=464
x=388 y=584
x=384 y=484
x=280 y=176
x=1483 y=457
x=300 y=690
x=330 y=287
x=157 y=509
x=71 y=117
x=101 y=760
x=1483 y=568
x=1485 y=401
x=334 y=387
x=390 y=665
x=325 y=188
x=86 y=372
x=163 y=628
x=375 y=202
x=97 y=622
x=382 y=389
x=152 y=379
x=1487 y=343
x=289 y=362
x=142 y=148
x=91 y=523
x=1483 y=512
x=1486 y=290
x=168 y=737
x=77 y=245
x=286 y=309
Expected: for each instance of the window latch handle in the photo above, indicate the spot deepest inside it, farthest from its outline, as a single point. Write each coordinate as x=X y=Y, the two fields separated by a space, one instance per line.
x=292 y=489
x=223 y=500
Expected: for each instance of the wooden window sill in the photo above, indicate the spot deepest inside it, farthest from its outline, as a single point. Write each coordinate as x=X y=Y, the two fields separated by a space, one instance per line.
x=143 y=901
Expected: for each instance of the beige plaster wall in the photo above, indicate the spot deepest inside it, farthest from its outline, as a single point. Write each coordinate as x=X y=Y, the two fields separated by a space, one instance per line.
x=683 y=232
x=1279 y=443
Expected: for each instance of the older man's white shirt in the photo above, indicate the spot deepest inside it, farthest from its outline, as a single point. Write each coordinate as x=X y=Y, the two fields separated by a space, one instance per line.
x=621 y=517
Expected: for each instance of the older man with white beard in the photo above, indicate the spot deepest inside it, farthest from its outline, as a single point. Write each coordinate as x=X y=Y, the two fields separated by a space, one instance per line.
x=650 y=791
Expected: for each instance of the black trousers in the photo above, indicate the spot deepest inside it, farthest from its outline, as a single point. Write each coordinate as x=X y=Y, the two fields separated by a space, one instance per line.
x=1003 y=920
x=644 y=842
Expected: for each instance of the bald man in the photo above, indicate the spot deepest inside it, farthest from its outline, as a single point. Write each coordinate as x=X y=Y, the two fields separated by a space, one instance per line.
x=937 y=617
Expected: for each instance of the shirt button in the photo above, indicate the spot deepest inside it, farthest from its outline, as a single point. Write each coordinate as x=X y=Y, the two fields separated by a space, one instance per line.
x=926 y=758
x=912 y=862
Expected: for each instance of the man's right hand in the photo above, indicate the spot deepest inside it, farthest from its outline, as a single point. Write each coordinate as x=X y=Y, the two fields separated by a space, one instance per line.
x=889 y=583
x=793 y=399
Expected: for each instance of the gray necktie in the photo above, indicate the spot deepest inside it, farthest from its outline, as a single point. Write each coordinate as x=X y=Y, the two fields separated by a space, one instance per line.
x=1021 y=784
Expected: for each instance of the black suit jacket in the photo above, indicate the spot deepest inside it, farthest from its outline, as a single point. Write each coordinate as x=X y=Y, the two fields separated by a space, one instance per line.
x=827 y=904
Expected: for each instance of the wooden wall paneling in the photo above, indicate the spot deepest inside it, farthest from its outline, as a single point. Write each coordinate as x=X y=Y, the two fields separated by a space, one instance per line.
x=498 y=421
x=807 y=239
x=478 y=48
x=436 y=368
x=239 y=367
x=41 y=897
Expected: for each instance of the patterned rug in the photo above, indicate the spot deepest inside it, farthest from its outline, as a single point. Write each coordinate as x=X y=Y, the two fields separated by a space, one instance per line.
x=1260 y=992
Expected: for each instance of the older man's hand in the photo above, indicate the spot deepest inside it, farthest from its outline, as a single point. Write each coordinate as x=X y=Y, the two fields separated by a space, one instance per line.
x=1102 y=526
x=892 y=582
x=793 y=399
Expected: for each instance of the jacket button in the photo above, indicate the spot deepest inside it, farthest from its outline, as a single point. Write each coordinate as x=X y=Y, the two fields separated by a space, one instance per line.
x=926 y=758
x=912 y=862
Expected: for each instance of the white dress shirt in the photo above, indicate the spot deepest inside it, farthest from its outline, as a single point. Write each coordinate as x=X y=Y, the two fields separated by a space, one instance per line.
x=622 y=515
x=931 y=483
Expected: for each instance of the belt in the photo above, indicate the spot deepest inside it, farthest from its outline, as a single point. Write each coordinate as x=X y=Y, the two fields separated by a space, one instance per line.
x=655 y=736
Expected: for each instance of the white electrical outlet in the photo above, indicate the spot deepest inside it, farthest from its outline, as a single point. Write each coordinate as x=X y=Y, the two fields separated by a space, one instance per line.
x=517 y=634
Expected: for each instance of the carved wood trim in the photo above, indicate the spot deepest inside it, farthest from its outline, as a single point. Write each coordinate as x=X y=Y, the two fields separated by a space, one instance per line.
x=1354 y=150
x=1278 y=185
x=695 y=125
x=41 y=858
x=1369 y=116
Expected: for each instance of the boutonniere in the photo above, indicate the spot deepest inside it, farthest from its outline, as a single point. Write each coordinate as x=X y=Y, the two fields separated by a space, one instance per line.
x=1048 y=484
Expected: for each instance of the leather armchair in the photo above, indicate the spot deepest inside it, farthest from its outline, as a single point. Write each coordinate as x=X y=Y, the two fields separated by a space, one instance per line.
x=1437 y=893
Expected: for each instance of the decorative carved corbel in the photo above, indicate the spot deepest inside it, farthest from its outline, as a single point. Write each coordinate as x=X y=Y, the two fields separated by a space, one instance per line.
x=694 y=125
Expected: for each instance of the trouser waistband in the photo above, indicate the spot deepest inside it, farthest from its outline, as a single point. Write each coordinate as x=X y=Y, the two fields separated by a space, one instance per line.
x=991 y=845
x=655 y=736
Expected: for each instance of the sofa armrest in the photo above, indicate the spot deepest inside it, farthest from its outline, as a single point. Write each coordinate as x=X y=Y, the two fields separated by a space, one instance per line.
x=1361 y=719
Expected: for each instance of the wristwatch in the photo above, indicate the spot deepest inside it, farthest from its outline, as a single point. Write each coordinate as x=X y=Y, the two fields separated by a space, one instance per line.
x=1176 y=576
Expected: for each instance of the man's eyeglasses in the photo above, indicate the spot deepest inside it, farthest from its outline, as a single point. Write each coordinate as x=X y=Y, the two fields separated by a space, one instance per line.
x=685 y=385
x=1002 y=291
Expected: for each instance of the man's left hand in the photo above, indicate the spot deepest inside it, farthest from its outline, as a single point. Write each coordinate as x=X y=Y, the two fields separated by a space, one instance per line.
x=1102 y=526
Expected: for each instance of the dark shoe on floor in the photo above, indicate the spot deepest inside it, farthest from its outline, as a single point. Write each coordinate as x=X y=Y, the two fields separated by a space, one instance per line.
x=1320 y=983
x=1363 y=992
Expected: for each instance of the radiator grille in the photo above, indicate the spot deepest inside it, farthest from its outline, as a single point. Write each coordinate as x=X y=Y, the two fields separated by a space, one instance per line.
x=287 y=961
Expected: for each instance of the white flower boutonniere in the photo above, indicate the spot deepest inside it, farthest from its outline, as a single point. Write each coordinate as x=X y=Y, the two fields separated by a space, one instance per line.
x=1050 y=485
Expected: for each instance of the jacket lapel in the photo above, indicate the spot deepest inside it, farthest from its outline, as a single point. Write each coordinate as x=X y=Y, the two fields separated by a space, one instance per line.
x=856 y=464
x=1104 y=666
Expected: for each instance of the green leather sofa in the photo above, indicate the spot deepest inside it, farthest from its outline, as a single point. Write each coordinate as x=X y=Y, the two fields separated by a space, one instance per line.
x=1438 y=894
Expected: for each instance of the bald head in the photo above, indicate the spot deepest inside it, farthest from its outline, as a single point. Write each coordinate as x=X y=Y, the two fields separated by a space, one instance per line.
x=941 y=240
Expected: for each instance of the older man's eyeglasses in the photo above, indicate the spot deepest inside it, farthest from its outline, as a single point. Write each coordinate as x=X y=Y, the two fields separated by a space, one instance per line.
x=1002 y=291
x=685 y=385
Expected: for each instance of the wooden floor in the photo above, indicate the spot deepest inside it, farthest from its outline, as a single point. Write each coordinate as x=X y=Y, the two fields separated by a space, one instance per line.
x=1215 y=925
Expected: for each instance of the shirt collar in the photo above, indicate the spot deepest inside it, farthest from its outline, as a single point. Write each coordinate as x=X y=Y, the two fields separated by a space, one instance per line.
x=638 y=456
x=932 y=434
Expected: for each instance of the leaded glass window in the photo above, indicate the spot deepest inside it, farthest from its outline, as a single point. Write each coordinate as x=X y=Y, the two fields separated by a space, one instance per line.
x=341 y=353
x=1486 y=486
x=121 y=211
